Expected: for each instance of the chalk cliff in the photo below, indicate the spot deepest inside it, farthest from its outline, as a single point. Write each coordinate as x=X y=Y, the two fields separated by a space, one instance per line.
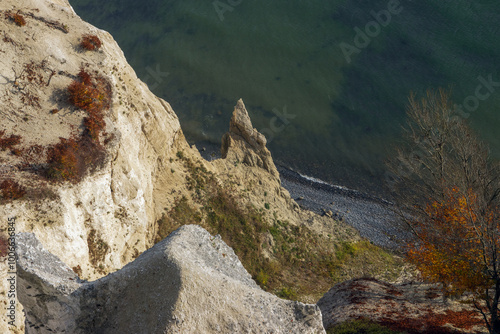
x=102 y=221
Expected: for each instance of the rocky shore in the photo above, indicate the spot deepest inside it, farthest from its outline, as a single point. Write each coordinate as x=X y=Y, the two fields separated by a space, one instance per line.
x=374 y=218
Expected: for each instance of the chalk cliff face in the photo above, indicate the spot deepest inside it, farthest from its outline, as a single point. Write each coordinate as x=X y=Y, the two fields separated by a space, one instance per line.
x=117 y=201
x=102 y=222
x=191 y=282
x=105 y=220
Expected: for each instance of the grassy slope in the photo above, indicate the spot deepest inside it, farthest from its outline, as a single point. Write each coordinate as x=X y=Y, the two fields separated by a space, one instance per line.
x=301 y=266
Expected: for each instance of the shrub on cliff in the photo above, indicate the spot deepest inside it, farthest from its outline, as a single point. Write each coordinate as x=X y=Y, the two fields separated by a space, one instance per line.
x=85 y=94
x=69 y=159
x=8 y=142
x=90 y=42
x=63 y=161
x=11 y=190
x=17 y=18
x=92 y=94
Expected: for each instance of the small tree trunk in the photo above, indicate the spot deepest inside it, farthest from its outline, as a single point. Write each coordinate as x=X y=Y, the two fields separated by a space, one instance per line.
x=495 y=326
x=495 y=321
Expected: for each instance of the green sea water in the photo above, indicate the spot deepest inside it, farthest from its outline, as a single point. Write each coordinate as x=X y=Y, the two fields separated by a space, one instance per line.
x=324 y=114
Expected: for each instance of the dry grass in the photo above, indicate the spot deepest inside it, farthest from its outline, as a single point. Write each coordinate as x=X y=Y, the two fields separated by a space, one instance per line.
x=98 y=249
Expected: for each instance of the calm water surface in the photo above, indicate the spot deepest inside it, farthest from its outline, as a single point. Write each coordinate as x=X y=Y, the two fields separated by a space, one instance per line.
x=324 y=115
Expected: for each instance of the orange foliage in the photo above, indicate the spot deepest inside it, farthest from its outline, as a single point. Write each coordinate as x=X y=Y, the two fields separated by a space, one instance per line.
x=70 y=158
x=16 y=18
x=450 y=248
x=94 y=124
x=84 y=94
x=92 y=94
x=63 y=161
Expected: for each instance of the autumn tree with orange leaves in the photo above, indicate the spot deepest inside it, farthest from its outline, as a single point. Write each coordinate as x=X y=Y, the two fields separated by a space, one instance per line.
x=448 y=187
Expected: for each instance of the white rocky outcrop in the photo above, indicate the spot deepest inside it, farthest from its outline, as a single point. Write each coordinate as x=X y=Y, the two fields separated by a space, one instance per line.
x=191 y=282
x=119 y=201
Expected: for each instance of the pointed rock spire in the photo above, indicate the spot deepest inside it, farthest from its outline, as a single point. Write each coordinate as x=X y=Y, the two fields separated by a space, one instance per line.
x=245 y=144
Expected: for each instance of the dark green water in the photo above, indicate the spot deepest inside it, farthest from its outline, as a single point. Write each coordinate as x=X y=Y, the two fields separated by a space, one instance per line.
x=284 y=57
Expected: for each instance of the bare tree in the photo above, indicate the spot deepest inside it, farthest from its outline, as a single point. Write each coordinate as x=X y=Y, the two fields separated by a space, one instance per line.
x=450 y=185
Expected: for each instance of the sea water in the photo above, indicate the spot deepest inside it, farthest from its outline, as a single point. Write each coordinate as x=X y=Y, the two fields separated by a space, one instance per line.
x=327 y=81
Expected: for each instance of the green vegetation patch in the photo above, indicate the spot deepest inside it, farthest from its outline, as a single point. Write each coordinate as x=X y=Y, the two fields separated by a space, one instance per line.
x=360 y=327
x=364 y=259
x=182 y=213
x=309 y=265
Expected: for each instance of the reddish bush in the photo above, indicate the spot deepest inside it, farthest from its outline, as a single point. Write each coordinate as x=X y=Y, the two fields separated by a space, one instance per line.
x=63 y=161
x=90 y=42
x=3 y=246
x=85 y=77
x=92 y=94
x=71 y=158
x=83 y=96
x=89 y=94
x=16 y=18
x=9 y=142
x=12 y=190
x=94 y=124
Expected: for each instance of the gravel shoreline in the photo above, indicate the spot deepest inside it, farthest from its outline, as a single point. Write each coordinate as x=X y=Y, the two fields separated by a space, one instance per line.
x=373 y=217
